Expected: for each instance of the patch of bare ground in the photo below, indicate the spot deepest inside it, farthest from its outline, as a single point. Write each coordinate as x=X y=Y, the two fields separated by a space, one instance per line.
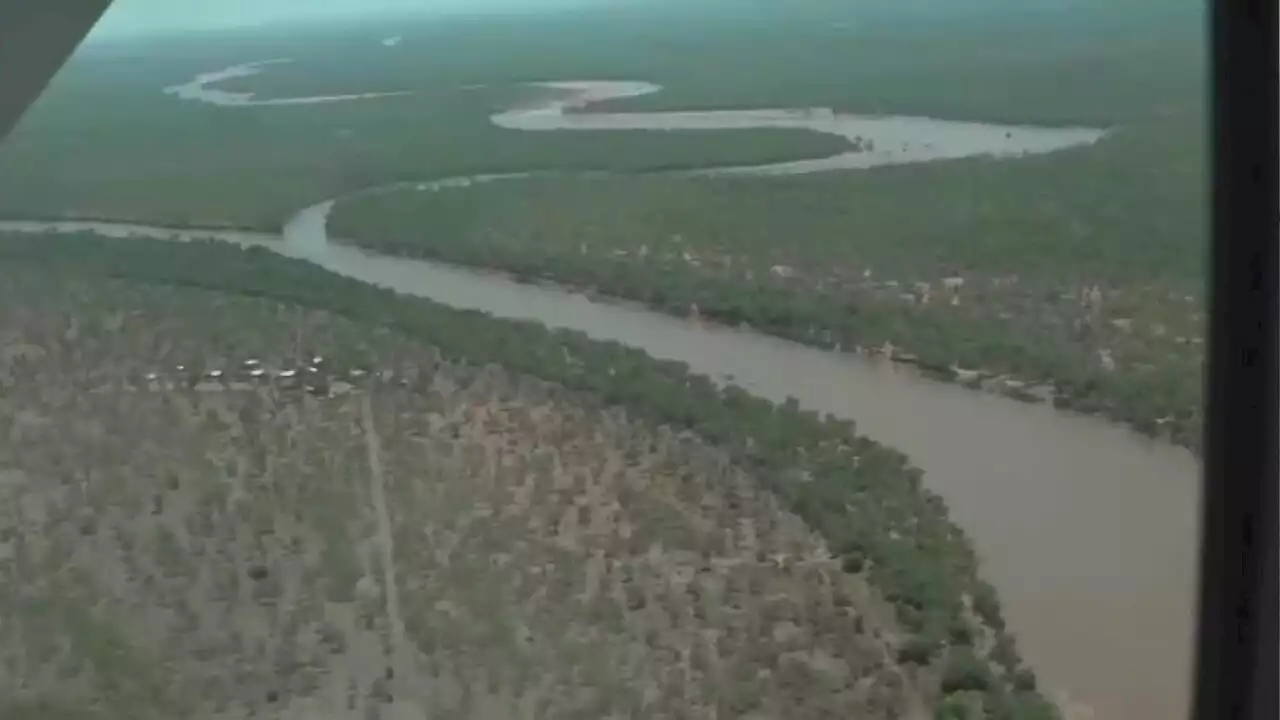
x=422 y=539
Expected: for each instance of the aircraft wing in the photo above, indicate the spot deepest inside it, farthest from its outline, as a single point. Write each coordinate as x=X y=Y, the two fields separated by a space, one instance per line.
x=36 y=38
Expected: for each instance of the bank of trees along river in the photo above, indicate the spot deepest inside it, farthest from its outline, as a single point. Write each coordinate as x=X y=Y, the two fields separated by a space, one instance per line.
x=865 y=499
x=143 y=156
x=1081 y=272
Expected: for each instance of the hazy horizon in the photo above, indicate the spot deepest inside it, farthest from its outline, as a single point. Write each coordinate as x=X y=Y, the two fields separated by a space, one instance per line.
x=141 y=18
x=137 y=18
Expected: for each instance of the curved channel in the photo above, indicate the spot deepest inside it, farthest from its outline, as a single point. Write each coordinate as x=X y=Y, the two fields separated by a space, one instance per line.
x=1088 y=530
x=874 y=140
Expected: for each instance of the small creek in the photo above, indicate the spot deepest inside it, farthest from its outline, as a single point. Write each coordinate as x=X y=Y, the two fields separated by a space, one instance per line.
x=1089 y=530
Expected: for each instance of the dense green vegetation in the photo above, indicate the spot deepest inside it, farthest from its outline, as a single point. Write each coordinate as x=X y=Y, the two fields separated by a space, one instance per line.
x=141 y=155
x=835 y=260
x=212 y=559
x=1090 y=64
x=1027 y=236
x=1127 y=215
x=865 y=499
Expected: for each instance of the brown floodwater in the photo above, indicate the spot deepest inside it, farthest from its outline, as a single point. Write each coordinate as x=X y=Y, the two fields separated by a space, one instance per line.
x=1088 y=530
x=874 y=140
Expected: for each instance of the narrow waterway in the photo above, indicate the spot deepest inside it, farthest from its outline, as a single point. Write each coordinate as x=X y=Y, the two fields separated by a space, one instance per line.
x=1088 y=530
x=874 y=140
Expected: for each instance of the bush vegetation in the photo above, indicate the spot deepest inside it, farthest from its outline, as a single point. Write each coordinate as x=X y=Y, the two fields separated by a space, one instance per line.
x=1127 y=215
x=862 y=259
x=103 y=141
x=864 y=499
x=151 y=493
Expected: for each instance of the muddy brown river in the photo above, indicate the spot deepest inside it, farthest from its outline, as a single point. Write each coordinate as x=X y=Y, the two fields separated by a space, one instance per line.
x=1088 y=530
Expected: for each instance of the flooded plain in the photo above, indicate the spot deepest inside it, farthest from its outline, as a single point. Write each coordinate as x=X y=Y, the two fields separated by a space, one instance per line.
x=1089 y=530
x=874 y=140
x=197 y=89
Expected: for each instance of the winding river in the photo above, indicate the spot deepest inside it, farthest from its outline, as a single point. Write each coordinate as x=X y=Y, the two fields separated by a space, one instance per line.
x=1088 y=529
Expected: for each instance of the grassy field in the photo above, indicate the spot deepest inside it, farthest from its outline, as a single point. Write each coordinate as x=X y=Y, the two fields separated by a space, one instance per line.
x=288 y=465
